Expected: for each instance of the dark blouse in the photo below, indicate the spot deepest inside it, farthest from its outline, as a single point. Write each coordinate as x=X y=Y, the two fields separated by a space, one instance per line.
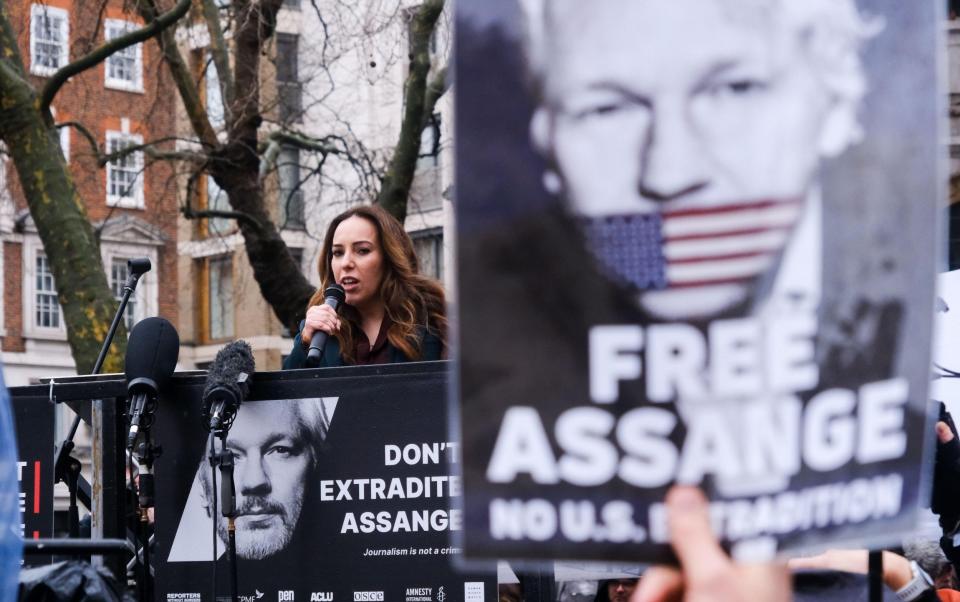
x=379 y=353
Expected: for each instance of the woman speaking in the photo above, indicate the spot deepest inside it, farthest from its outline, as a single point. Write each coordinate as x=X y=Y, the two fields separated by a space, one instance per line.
x=391 y=314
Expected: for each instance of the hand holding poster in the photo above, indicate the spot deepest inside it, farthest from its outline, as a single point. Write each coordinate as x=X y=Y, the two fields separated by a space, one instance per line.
x=704 y=222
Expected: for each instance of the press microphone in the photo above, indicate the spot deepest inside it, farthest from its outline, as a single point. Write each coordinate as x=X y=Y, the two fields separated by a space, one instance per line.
x=152 y=352
x=138 y=266
x=333 y=296
x=228 y=383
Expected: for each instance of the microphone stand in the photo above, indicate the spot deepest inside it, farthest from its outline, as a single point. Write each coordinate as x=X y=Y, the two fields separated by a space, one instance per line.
x=147 y=452
x=228 y=508
x=66 y=468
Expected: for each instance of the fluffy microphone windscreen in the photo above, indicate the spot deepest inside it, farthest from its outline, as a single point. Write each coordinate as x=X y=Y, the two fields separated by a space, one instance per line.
x=234 y=358
x=152 y=351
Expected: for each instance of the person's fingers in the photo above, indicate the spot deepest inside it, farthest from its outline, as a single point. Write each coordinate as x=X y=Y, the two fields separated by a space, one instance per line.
x=849 y=561
x=766 y=582
x=688 y=518
x=809 y=562
x=944 y=434
x=323 y=317
x=321 y=310
x=659 y=584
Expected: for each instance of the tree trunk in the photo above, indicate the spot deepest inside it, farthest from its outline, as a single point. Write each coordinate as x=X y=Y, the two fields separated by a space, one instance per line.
x=236 y=169
x=395 y=190
x=61 y=220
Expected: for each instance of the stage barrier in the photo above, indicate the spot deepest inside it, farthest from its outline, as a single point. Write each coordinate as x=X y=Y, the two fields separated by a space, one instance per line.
x=347 y=485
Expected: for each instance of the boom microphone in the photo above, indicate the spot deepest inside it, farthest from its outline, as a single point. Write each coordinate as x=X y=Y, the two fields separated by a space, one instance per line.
x=228 y=383
x=152 y=352
x=333 y=296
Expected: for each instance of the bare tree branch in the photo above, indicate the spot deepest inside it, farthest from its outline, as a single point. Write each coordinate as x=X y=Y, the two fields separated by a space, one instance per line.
x=159 y=24
x=437 y=87
x=218 y=48
x=189 y=93
x=148 y=148
x=400 y=172
x=91 y=139
x=280 y=138
x=185 y=156
x=190 y=213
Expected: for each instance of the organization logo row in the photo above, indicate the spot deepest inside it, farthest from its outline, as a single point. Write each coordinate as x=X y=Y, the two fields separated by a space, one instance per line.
x=473 y=591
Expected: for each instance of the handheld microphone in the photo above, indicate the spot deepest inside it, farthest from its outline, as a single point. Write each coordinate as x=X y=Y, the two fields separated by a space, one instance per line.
x=152 y=352
x=333 y=295
x=228 y=383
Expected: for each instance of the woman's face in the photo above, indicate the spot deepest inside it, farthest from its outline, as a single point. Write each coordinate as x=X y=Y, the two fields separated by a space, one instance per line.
x=356 y=260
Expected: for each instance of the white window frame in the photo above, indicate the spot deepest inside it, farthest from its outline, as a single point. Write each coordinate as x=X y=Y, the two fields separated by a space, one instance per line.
x=146 y=294
x=216 y=111
x=63 y=134
x=134 y=200
x=31 y=248
x=114 y=28
x=64 y=58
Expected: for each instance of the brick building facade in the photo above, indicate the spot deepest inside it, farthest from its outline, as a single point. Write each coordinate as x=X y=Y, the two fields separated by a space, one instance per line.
x=131 y=202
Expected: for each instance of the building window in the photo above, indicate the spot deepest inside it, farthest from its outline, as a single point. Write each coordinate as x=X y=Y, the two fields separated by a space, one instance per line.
x=119 y=272
x=220 y=301
x=289 y=90
x=425 y=193
x=49 y=39
x=429 y=143
x=217 y=200
x=294 y=4
x=124 y=181
x=124 y=69
x=290 y=195
x=428 y=245
x=213 y=96
x=46 y=305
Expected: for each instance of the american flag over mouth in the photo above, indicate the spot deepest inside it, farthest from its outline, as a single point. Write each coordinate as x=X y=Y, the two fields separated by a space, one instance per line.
x=692 y=247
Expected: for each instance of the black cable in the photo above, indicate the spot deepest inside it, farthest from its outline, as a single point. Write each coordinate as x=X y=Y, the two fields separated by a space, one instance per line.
x=146 y=479
x=948 y=371
x=213 y=512
x=131 y=496
x=233 y=563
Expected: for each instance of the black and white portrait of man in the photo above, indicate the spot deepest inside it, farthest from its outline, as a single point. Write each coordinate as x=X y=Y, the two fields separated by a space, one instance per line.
x=276 y=448
x=694 y=173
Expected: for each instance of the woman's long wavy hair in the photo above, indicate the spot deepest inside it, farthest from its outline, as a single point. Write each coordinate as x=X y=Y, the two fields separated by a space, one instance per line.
x=411 y=300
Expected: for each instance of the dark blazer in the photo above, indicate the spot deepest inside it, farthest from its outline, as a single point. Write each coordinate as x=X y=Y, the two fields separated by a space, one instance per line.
x=431 y=348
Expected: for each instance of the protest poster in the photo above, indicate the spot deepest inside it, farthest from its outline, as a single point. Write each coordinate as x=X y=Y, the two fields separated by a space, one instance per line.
x=34 y=422
x=696 y=244
x=346 y=491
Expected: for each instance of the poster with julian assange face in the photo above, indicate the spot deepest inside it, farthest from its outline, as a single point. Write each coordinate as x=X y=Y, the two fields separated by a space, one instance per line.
x=696 y=244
